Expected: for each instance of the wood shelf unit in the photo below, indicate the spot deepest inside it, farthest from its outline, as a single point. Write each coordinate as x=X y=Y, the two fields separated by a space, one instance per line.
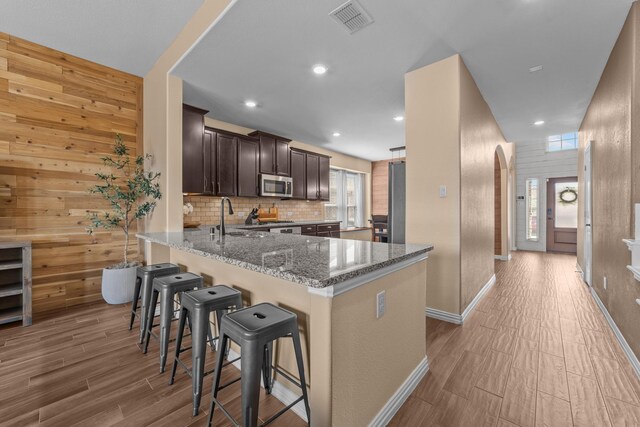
x=15 y=282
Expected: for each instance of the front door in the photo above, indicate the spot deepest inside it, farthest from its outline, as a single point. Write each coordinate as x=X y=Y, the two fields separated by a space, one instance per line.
x=562 y=214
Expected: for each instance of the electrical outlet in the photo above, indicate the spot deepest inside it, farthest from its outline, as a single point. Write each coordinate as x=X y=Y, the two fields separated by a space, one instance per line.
x=316 y=213
x=605 y=283
x=240 y=214
x=443 y=191
x=380 y=304
x=289 y=213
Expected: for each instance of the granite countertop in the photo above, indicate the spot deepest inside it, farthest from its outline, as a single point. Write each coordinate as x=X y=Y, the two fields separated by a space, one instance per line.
x=316 y=262
x=283 y=224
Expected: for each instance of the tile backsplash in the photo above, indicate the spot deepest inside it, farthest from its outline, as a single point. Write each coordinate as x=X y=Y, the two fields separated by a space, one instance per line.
x=206 y=210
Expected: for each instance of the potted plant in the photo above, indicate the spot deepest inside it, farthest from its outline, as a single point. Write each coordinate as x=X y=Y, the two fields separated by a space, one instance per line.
x=132 y=194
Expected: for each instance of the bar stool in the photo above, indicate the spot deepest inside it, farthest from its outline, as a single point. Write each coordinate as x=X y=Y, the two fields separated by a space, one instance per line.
x=197 y=306
x=142 y=291
x=253 y=328
x=167 y=288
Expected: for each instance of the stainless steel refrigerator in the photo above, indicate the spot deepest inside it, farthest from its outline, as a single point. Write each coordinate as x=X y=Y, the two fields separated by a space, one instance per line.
x=397 y=201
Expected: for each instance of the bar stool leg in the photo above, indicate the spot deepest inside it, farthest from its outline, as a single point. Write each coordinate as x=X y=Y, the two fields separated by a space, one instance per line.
x=181 y=326
x=166 y=314
x=267 y=375
x=223 y=340
x=145 y=297
x=150 y=315
x=251 y=369
x=134 y=303
x=298 y=349
x=199 y=324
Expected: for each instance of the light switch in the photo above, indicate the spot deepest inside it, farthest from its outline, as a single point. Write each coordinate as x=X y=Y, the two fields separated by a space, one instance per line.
x=443 y=191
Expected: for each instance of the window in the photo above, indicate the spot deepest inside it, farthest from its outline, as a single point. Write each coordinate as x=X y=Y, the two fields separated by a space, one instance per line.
x=566 y=141
x=532 y=190
x=346 y=198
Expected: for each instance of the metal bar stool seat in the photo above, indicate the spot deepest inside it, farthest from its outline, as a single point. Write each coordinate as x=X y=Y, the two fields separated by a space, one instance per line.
x=167 y=288
x=142 y=291
x=254 y=329
x=197 y=306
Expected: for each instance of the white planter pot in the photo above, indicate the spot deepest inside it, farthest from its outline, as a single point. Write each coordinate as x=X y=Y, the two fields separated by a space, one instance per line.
x=118 y=284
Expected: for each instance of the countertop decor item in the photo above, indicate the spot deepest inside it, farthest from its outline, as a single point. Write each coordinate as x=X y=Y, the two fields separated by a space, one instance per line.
x=132 y=195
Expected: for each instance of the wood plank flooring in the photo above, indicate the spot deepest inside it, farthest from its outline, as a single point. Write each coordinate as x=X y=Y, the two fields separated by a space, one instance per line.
x=536 y=352
x=550 y=358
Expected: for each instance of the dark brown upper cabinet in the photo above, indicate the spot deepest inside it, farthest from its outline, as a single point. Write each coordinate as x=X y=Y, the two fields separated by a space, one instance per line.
x=298 y=169
x=274 y=153
x=323 y=177
x=248 y=167
x=312 y=165
x=193 y=150
x=210 y=163
x=226 y=164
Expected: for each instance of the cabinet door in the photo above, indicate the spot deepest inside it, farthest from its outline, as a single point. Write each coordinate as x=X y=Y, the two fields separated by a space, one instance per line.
x=312 y=177
x=210 y=175
x=282 y=157
x=192 y=151
x=227 y=169
x=298 y=174
x=248 y=159
x=267 y=154
x=323 y=178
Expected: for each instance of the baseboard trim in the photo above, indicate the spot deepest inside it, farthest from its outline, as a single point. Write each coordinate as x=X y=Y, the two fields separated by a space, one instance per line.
x=278 y=390
x=503 y=257
x=459 y=319
x=635 y=363
x=445 y=316
x=401 y=395
x=472 y=305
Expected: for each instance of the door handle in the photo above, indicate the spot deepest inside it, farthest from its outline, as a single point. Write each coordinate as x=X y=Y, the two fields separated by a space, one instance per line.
x=587 y=225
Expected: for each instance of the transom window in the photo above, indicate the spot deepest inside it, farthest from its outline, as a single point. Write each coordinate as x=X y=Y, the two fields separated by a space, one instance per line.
x=566 y=141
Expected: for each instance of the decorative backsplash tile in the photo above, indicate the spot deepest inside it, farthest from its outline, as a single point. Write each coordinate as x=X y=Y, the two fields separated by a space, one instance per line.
x=206 y=209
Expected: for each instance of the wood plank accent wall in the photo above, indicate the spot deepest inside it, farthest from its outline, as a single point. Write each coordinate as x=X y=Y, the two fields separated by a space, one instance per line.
x=380 y=186
x=58 y=116
x=498 y=205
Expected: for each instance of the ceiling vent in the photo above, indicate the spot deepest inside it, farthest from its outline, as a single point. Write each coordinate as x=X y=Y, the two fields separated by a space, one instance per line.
x=352 y=16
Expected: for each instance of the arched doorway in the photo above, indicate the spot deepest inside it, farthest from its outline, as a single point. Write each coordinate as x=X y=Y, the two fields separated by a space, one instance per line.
x=501 y=205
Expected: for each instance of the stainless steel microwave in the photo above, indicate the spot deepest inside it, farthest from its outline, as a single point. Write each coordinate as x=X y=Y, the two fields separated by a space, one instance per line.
x=276 y=186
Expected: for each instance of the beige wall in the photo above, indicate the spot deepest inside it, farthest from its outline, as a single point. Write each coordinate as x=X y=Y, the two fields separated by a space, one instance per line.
x=451 y=139
x=432 y=111
x=611 y=124
x=479 y=137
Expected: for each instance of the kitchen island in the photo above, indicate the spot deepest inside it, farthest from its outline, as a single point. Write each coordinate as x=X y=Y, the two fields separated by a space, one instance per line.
x=358 y=364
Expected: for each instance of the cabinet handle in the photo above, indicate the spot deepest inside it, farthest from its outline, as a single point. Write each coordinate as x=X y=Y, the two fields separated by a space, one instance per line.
x=205 y=183
x=218 y=188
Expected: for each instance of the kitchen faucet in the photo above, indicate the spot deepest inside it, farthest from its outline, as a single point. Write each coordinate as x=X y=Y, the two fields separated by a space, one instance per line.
x=222 y=230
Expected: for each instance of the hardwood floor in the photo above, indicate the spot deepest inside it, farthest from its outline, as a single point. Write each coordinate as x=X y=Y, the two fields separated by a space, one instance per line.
x=535 y=352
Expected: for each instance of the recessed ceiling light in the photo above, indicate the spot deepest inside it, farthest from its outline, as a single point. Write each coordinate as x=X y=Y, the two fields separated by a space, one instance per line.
x=336 y=134
x=250 y=104
x=320 y=69
x=398 y=118
x=536 y=68
x=539 y=122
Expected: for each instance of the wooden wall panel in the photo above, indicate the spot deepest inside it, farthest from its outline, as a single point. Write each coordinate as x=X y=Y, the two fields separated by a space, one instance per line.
x=380 y=186
x=58 y=116
x=497 y=205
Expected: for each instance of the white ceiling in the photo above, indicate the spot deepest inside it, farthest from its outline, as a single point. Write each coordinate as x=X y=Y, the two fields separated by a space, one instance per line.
x=124 y=34
x=264 y=50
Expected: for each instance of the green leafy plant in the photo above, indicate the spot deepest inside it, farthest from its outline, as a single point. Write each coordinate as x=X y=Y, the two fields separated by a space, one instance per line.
x=132 y=194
